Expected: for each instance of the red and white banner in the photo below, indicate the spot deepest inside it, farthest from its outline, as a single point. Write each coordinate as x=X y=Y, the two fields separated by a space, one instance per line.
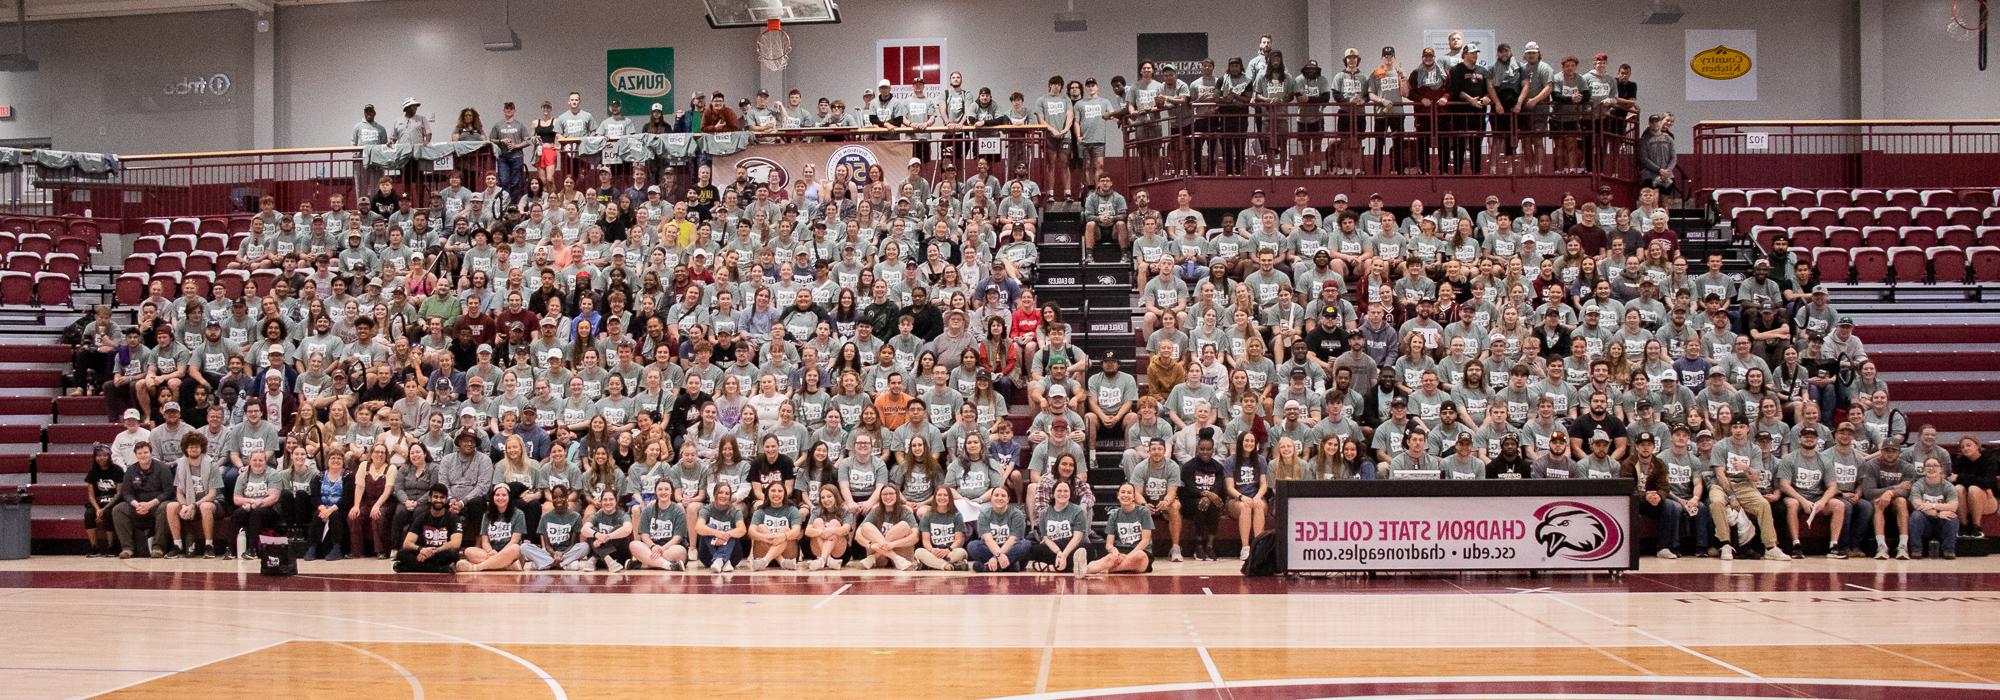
x=789 y=161
x=1388 y=533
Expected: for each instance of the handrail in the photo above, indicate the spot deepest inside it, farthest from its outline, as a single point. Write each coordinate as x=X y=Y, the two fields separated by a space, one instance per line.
x=1846 y=122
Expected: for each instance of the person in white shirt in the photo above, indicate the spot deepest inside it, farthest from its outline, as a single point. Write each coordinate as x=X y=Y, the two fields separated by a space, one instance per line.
x=132 y=436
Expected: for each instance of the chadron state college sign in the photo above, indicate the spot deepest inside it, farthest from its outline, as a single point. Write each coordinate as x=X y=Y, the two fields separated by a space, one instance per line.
x=637 y=78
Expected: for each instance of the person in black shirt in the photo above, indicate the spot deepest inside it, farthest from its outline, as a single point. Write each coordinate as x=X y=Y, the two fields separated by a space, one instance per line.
x=769 y=467
x=432 y=542
x=104 y=479
x=1597 y=418
x=1511 y=463
x=1471 y=97
x=1975 y=469
x=1202 y=501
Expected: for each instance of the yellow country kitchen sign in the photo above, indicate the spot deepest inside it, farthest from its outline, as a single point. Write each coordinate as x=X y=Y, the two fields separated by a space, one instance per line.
x=1720 y=63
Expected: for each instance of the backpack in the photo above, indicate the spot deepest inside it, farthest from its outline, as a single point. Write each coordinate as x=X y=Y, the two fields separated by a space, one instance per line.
x=1263 y=559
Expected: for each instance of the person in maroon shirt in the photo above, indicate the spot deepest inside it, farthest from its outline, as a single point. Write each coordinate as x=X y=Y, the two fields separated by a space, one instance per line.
x=516 y=316
x=1586 y=231
x=720 y=118
x=482 y=326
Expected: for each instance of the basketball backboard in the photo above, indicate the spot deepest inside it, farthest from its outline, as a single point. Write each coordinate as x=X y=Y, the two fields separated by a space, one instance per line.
x=723 y=14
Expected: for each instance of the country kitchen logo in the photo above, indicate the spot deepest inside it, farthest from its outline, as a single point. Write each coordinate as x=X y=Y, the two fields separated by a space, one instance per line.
x=640 y=82
x=1720 y=63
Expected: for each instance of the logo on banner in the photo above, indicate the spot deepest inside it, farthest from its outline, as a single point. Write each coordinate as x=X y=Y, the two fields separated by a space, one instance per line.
x=856 y=158
x=760 y=169
x=1720 y=63
x=1579 y=531
x=640 y=82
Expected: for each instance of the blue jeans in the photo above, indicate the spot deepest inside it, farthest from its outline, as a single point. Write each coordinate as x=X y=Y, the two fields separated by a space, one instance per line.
x=1921 y=525
x=710 y=552
x=1674 y=519
x=1827 y=398
x=1017 y=554
x=510 y=170
x=1860 y=522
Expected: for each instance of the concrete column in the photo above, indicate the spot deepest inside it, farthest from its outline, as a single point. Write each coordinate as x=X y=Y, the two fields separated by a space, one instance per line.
x=1870 y=58
x=264 y=85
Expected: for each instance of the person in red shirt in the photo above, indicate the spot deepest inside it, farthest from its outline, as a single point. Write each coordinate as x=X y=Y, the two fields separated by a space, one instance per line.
x=1586 y=231
x=720 y=119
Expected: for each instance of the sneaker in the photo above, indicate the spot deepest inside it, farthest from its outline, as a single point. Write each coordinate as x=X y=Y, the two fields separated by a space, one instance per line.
x=125 y=554
x=1711 y=552
x=716 y=565
x=1079 y=561
x=1174 y=554
x=1776 y=554
x=961 y=566
x=755 y=564
x=334 y=555
x=613 y=565
x=866 y=563
x=1835 y=554
x=1949 y=554
x=207 y=552
x=157 y=553
x=92 y=554
x=728 y=567
x=1932 y=549
x=1728 y=552
x=1881 y=554
x=1972 y=530
x=250 y=556
x=676 y=566
x=1903 y=552
x=1667 y=554
x=904 y=564
x=816 y=564
x=311 y=555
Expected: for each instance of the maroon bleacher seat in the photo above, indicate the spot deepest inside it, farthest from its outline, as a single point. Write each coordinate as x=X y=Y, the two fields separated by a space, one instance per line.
x=1919 y=236
x=87 y=230
x=16 y=225
x=148 y=244
x=89 y=407
x=1985 y=264
x=38 y=243
x=65 y=264
x=203 y=280
x=213 y=242
x=155 y=227
x=1835 y=199
x=23 y=261
x=1834 y=264
x=1764 y=198
x=17 y=464
x=1905 y=198
x=130 y=288
x=1871 y=264
x=1927 y=216
x=74 y=245
x=1856 y=217
x=139 y=262
x=1764 y=235
x=1948 y=265
x=81 y=433
x=49 y=227
x=1958 y=236
x=233 y=282
x=1749 y=218
x=1727 y=201
x=17 y=288
x=1796 y=197
x=1881 y=236
x=1843 y=237
x=51 y=462
x=263 y=281
x=1979 y=199
x=8 y=244
x=201 y=261
x=172 y=280
x=183 y=226
x=178 y=243
x=1961 y=216
x=239 y=225
x=1807 y=238
x=169 y=262
x=30 y=435
x=1893 y=217
x=52 y=289
x=1910 y=264
x=60 y=494
x=1819 y=216
x=1784 y=216
x=215 y=224
x=1939 y=198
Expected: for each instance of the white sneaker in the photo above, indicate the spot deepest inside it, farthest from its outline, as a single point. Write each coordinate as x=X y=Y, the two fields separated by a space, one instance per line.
x=728 y=567
x=1777 y=555
x=613 y=565
x=816 y=564
x=589 y=566
x=1903 y=552
x=903 y=563
x=1881 y=553
x=1244 y=553
x=754 y=564
x=573 y=566
x=1079 y=562
x=716 y=566
x=1728 y=552
x=866 y=563
x=1668 y=554
x=788 y=564
x=1175 y=553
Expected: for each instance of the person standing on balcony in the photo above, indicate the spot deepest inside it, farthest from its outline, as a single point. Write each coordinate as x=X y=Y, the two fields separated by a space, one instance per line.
x=1429 y=91
x=1507 y=83
x=1531 y=111
x=1349 y=90
x=1471 y=88
x=366 y=131
x=1387 y=92
x=575 y=123
x=413 y=128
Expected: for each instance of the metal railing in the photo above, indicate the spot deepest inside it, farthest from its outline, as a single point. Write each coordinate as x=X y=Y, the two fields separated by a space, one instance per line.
x=1847 y=153
x=1326 y=140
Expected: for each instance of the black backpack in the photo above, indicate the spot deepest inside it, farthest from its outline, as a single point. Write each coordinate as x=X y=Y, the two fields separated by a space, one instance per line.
x=1263 y=559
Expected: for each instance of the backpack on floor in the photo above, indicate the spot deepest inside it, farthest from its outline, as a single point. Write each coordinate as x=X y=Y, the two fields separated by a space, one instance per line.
x=1263 y=559
x=274 y=556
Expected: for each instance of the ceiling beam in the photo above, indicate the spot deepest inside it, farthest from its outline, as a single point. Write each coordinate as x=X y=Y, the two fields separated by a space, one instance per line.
x=51 y=10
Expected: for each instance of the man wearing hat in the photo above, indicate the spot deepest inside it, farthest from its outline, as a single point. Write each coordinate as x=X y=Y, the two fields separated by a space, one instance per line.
x=1802 y=478
x=434 y=536
x=467 y=474
x=166 y=436
x=132 y=435
x=1884 y=481
x=1598 y=463
x=1737 y=467
x=1109 y=401
x=1684 y=498
x=1387 y=93
x=1430 y=90
x=1532 y=106
x=1470 y=90
x=412 y=128
x=1844 y=481
x=1349 y=90
x=1649 y=474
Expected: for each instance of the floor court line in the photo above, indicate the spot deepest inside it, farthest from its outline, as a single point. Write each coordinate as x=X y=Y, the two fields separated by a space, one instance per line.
x=416 y=687
x=1663 y=640
x=1495 y=600
x=829 y=597
x=1440 y=680
x=187 y=668
x=1864 y=588
x=1207 y=662
x=1048 y=647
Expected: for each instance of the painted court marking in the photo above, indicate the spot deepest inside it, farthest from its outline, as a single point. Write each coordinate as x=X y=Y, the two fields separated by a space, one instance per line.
x=1502 y=680
x=1663 y=640
x=1864 y=588
x=190 y=667
x=1207 y=662
x=829 y=597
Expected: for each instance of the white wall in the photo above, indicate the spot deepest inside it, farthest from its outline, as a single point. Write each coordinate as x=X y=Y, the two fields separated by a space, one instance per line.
x=330 y=59
x=94 y=72
x=1806 y=48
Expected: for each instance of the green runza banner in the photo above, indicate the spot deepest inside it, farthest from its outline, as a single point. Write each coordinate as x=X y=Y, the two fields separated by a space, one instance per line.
x=637 y=78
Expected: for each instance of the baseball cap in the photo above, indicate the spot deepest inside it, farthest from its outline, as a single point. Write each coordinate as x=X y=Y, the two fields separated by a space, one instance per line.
x=1058 y=390
x=1342 y=197
x=882 y=83
x=916 y=161
x=1600 y=57
x=131 y=414
x=1388 y=50
x=1350 y=53
x=1292 y=405
x=1599 y=436
x=1532 y=47
x=486 y=348
x=1059 y=424
x=1428 y=51
x=657 y=107
x=171 y=406
x=1643 y=438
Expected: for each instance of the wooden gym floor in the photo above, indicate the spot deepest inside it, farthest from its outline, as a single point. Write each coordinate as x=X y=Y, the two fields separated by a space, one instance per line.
x=1692 y=628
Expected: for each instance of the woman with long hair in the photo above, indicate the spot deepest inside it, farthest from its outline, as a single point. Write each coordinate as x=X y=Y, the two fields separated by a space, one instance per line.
x=659 y=537
x=941 y=543
x=1064 y=471
x=775 y=529
x=1002 y=544
x=1248 y=488
x=889 y=532
x=1128 y=532
x=497 y=545
x=1060 y=531
x=830 y=529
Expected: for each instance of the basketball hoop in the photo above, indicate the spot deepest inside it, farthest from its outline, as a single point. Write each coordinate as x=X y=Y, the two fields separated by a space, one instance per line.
x=774 y=46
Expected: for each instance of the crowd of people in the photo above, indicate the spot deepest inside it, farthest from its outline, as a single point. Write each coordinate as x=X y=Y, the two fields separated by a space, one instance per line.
x=534 y=376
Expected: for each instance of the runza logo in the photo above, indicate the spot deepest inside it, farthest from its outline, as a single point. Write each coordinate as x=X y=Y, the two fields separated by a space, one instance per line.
x=1587 y=533
x=639 y=82
x=856 y=158
x=760 y=169
x=1720 y=63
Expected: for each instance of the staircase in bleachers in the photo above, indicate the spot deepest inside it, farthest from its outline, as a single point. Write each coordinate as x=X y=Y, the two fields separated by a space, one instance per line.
x=1878 y=245
x=1941 y=370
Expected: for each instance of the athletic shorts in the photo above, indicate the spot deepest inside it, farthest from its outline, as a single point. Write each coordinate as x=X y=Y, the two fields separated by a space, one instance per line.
x=1093 y=150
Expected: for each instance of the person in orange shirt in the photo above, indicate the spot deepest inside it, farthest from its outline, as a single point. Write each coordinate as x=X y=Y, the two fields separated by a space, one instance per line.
x=893 y=402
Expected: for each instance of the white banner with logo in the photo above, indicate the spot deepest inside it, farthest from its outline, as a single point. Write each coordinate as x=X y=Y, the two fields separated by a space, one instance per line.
x=789 y=160
x=1392 y=533
x=1721 y=65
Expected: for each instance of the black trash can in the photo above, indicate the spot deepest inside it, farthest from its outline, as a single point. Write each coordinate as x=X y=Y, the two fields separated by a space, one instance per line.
x=16 y=526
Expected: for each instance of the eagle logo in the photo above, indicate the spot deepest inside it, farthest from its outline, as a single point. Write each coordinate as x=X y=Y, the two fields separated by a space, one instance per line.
x=1577 y=531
